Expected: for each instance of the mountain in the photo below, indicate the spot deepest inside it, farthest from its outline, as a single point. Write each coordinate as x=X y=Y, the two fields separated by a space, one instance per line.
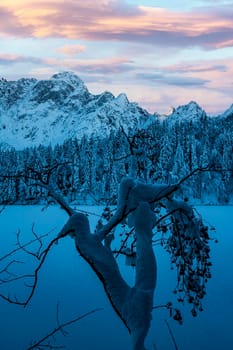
x=227 y=116
x=34 y=112
x=191 y=111
x=164 y=149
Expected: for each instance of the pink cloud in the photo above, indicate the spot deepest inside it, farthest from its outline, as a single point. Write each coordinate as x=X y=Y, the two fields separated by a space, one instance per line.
x=93 y=66
x=84 y=66
x=9 y=59
x=10 y=25
x=71 y=50
x=207 y=82
x=198 y=67
x=117 y=21
x=214 y=75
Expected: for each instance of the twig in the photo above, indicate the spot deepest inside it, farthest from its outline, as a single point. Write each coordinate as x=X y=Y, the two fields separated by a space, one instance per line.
x=172 y=335
x=120 y=251
x=39 y=344
x=21 y=247
x=58 y=198
x=41 y=258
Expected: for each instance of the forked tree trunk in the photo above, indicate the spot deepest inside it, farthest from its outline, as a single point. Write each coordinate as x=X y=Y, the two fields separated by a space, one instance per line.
x=133 y=305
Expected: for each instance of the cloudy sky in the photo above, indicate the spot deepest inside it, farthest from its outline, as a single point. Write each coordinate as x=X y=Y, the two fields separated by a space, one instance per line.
x=160 y=53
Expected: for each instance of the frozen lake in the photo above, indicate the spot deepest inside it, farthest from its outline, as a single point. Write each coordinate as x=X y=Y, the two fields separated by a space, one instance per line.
x=66 y=278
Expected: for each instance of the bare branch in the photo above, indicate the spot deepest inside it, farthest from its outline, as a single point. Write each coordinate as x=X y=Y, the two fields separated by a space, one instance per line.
x=34 y=254
x=185 y=178
x=23 y=246
x=172 y=335
x=60 y=328
x=34 y=276
x=58 y=198
x=120 y=251
x=173 y=312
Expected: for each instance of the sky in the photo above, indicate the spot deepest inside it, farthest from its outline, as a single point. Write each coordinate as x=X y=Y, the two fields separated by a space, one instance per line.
x=161 y=53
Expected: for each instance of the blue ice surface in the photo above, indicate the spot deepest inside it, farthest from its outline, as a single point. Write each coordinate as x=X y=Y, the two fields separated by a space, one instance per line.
x=67 y=279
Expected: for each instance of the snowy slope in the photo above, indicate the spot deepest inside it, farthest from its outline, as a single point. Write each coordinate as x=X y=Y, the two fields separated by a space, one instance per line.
x=191 y=111
x=34 y=112
x=228 y=114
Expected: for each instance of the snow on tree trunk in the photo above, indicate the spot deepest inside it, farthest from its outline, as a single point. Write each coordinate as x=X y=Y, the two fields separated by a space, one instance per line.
x=140 y=302
x=135 y=204
x=132 y=304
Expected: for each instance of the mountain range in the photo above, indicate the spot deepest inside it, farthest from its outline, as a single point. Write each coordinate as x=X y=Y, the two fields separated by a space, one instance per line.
x=34 y=112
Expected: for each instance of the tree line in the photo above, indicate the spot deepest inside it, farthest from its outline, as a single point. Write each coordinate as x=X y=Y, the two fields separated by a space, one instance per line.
x=89 y=170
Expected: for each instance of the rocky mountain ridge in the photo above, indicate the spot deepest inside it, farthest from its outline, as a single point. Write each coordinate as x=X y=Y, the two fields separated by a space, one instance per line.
x=34 y=112
x=50 y=111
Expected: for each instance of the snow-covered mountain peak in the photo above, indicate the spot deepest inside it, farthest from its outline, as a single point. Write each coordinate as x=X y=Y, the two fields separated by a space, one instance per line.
x=69 y=78
x=34 y=112
x=62 y=88
x=228 y=113
x=11 y=91
x=104 y=98
x=122 y=100
x=190 y=111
